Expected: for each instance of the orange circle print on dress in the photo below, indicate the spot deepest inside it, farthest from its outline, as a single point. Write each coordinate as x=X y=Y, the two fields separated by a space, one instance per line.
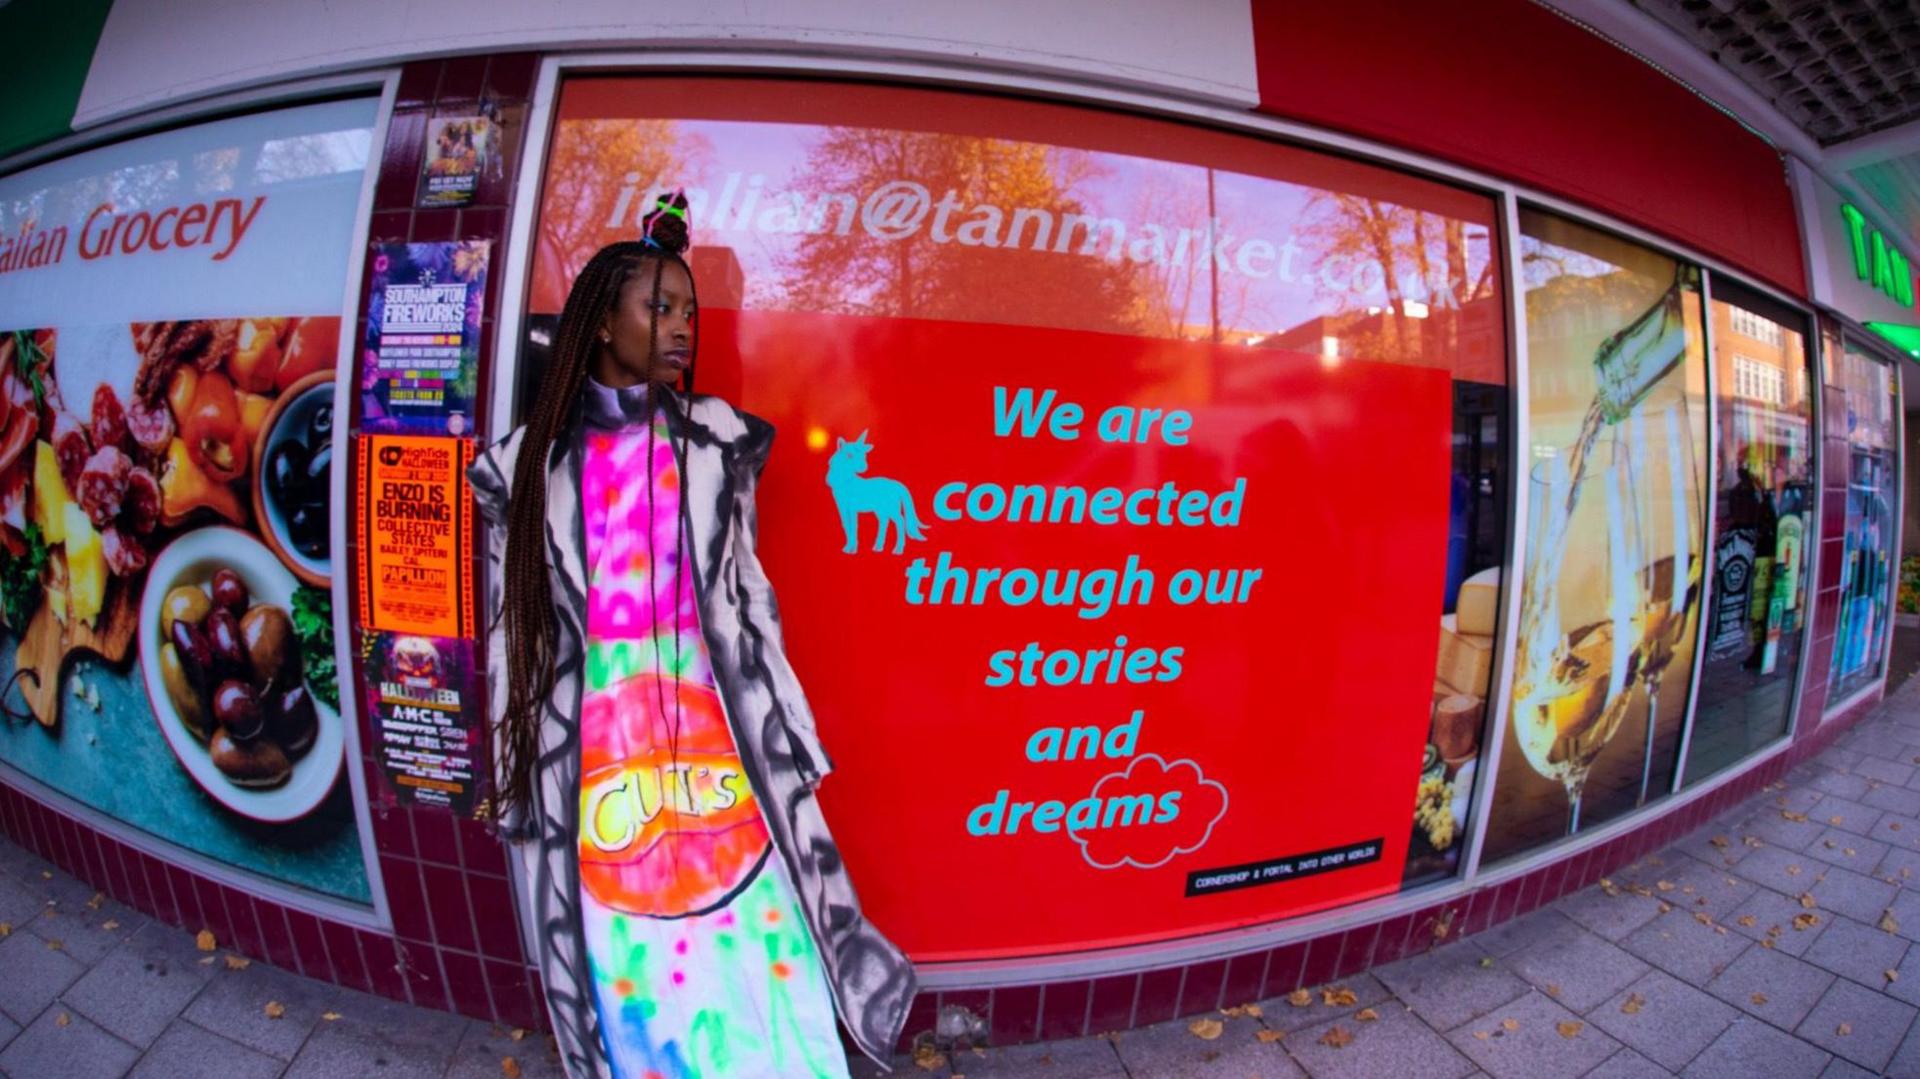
x=662 y=833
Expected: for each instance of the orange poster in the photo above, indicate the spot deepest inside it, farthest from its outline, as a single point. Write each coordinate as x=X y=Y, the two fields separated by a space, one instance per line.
x=416 y=543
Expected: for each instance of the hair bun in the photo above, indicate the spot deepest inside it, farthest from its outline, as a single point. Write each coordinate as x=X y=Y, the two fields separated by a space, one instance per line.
x=665 y=226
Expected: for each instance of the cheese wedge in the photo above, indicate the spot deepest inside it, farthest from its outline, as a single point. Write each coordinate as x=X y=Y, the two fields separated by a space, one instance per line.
x=1478 y=606
x=1466 y=659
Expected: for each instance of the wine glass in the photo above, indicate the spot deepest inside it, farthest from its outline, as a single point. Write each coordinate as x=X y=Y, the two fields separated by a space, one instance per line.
x=1668 y=597
x=1578 y=633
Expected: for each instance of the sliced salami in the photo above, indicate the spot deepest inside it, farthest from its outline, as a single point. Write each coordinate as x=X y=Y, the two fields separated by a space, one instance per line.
x=70 y=447
x=140 y=509
x=125 y=554
x=103 y=485
x=109 y=419
x=150 y=425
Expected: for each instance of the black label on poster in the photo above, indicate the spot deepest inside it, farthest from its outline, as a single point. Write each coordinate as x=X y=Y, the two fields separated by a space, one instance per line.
x=1282 y=869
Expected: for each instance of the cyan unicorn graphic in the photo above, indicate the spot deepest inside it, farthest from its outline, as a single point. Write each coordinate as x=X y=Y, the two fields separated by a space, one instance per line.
x=888 y=500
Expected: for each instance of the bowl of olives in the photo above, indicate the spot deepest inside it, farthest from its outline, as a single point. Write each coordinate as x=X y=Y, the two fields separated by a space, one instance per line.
x=226 y=679
x=293 y=478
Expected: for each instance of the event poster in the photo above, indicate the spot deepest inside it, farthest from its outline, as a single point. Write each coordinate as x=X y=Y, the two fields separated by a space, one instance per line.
x=1113 y=514
x=421 y=698
x=460 y=149
x=1611 y=596
x=416 y=534
x=166 y=456
x=418 y=370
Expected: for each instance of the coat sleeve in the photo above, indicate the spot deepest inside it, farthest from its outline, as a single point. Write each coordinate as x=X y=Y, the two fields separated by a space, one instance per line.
x=761 y=613
x=491 y=477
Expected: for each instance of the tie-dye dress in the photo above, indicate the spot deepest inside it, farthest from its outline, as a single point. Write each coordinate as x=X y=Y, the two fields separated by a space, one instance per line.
x=702 y=965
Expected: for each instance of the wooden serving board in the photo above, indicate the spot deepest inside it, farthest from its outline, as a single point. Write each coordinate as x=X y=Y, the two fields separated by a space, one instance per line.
x=47 y=644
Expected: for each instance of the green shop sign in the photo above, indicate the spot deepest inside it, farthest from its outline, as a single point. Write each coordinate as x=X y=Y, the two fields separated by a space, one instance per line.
x=1878 y=262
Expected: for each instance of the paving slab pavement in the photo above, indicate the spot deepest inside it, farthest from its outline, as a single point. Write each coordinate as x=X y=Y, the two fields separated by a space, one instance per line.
x=1780 y=940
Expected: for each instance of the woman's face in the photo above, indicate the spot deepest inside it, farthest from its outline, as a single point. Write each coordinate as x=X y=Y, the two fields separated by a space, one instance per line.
x=626 y=356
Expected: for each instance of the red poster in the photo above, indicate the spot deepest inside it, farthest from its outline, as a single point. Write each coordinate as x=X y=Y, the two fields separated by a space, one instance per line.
x=1248 y=645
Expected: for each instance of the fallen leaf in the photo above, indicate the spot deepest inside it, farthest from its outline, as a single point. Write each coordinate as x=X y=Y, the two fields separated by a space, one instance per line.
x=62 y=1019
x=1338 y=996
x=1268 y=1036
x=1634 y=1003
x=1486 y=961
x=1767 y=943
x=1892 y=975
x=1720 y=841
x=1482 y=1035
x=1843 y=1029
x=1510 y=1025
x=1206 y=1029
x=1833 y=820
x=1888 y=922
x=6 y=930
x=1241 y=1011
x=1752 y=841
x=98 y=898
x=1666 y=908
x=331 y=1016
x=1829 y=844
x=208 y=961
x=1553 y=990
x=1747 y=921
x=1300 y=998
x=274 y=1009
x=1792 y=816
x=1848 y=851
x=517 y=1033
x=110 y=925
x=45 y=875
x=1569 y=1028
x=54 y=944
x=238 y=962
x=1702 y=917
x=1793 y=871
x=1337 y=1037
x=1366 y=1015
x=1758 y=998
x=1808 y=901
x=204 y=940
x=1805 y=921
x=510 y=1068
x=1893 y=825
x=1664 y=885
x=927 y=1058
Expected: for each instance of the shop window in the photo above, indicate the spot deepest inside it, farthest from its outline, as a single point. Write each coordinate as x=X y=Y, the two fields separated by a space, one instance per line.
x=1614 y=532
x=930 y=276
x=1765 y=522
x=1868 y=553
x=172 y=308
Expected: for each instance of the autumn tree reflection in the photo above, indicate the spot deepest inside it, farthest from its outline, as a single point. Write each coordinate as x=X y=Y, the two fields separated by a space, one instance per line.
x=956 y=227
x=588 y=156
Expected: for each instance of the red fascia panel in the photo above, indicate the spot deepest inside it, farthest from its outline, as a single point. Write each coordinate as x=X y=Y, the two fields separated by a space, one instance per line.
x=1510 y=88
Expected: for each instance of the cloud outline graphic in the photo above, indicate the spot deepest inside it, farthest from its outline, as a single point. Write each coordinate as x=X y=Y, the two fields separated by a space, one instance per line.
x=1168 y=768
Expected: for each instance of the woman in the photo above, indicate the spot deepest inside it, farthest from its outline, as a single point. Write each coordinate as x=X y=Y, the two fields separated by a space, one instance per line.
x=657 y=758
